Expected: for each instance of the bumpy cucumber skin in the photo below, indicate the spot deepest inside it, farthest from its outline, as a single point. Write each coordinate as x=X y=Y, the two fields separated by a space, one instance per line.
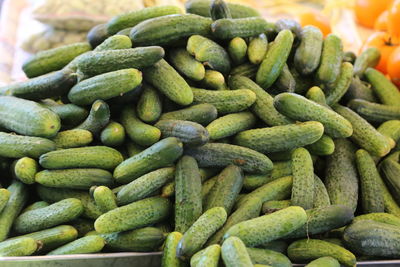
x=234 y=253
x=391 y=205
x=53 y=59
x=230 y=124
x=290 y=104
x=134 y=215
x=323 y=147
x=144 y=239
x=391 y=170
x=18 y=247
x=373 y=239
x=369 y=58
x=364 y=134
x=202 y=8
x=286 y=81
x=145 y=185
x=263 y=107
x=174 y=28
x=316 y=94
x=168 y=81
x=201 y=113
x=133 y=18
x=214 y=80
x=4 y=197
x=113 y=134
x=169 y=258
x=225 y=101
x=210 y=257
x=98 y=118
x=269 y=227
x=220 y=10
x=324 y=261
x=114 y=42
x=310 y=249
x=386 y=91
x=73 y=138
x=186 y=64
x=104 y=198
x=71 y=115
x=379 y=217
x=374 y=112
x=342 y=83
x=278 y=189
x=74 y=178
x=190 y=133
x=268 y=257
x=275 y=59
x=303 y=179
x=321 y=196
x=331 y=59
x=25 y=170
x=391 y=129
x=84 y=245
x=237 y=49
x=257 y=49
x=188 y=201
x=308 y=53
x=280 y=138
x=219 y=154
x=196 y=236
x=161 y=154
x=243 y=27
x=149 y=106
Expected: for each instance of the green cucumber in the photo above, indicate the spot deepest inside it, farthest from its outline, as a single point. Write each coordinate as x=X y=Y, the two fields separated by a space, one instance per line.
x=323 y=147
x=209 y=53
x=278 y=189
x=188 y=202
x=369 y=58
x=83 y=226
x=186 y=64
x=169 y=29
x=230 y=124
x=25 y=170
x=74 y=178
x=133 y=149
x=18 y=247
x=321 y=196
x=263 y=107
x=97 y=35
x=360 y=90
x=97 y=119
x=201 y=113
x=275 y=59
x=83 y=245
x=303 y=179
x=241 y=27
x=257 y=49
x=189 y=133
x=316 y=94
x=234 y=253
x=220 y=155
x=114 y=42
x=269 y=227
x=104 y=198
x=248 y=70
x=169 y=82
x=196 y=236
x=324 y=262
x=341 y=85
x=335 y=125
x=141 y=133
x=149 y=106
x=391 y=172
x=145 y=185
x=310 y=249
x=280 y=138
x=132 y=216
x=374 y=112
x=214 y=80
x=385 y=90
x=254 y=181
x=43 y=218
x=202 y=8
x=289 y=24
x=379 y=217
x=391 y=129
x=219 y=10
x=349 y=56
x=70 y=115
x=308 y=53
x=285 y=81
x=4 y=197
x=73 y=138
x=225 y=101
x=209 y=257
x=159 y=155
x=35 y=205
x=169 y=258
x=390 y=204
x=275 y=205
x=113 y=134
x=53 y=59
x=268 y=257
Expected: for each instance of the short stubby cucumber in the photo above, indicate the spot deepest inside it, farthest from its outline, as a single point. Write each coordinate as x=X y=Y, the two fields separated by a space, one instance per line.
x=308 y=53
x=113 y=134
x=324 y=261
x=323 y=147
x=25 y=170
x=244 y=27
x=105 y=199
x=237 y=49
x=186 y=64
x=230 y=124
x=234 y=253
x=200 y=113
x=73 y=138
x=149 y=106
x=210 y=257
x=169 y=258
x=257 y=49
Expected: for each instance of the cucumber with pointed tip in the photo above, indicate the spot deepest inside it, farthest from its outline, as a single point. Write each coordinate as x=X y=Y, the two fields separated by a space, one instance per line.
x=169 y=258
x=303 y=179
x=308 y=53
x=202 y=8
x=39 y=219
x=113 y=134
x=220 y=155
x=25 y=170
x=186 y=64
x=280 y=138
x=335 y=125
x=104 y=198
x=200 y=113
x=269 y=227
x=230 y=124
x=132 y=216
x=385 y=90
x=83 y=245
x=379 y=217
x=169 y=82
x=341 y=85
x=331 y=59
x=53 y=59
x=145 y=185
x=369 y=58
x=240 y=27
x=364 y=134
x=28 y=117
x=324 y=261
x=196 y=236
x=73 y=138
x=321 y=196
x=234 y=253
x=248 y=70
x=4 y=197
x=166 y=30
x=268 y=257
x=278 y=189
x=226 y=101
x=275 y=59
x=214 y=80
x=263 y=106
x=161 y=154
x=257 y=49
x=18 y=247
x=114 y=42
x=374 y=112
x=71 y=115
x=323 y=147
x=97 y=119
x=310 y=249
x=74 y=178
x=190 y=133
x=373 y=239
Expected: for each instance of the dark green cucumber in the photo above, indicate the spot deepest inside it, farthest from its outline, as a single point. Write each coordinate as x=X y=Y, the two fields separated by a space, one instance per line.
x=360 y=90
x=97 y=35
x=186 y=64
x=303 y=179
x=97 y=119
x=53 y=59
x=341 y=85
x=321 y=196
x=257 y=49
x=101 y=157
x=263 y=107
x=220 y=10
x=209 y=53
x=169 y=82
x=237 y=49
x=323 y=147
x=275 y=205
x=390 y=204
x=4 y=197
x=214 y=80
x=280 y=138
x=43 y=218
x=133 y=149
x=220 y=155
x=391 y=172
x=234 y=253
x=144 y=239
x=83 y=245
x=278 y=189
x=113 y=134
x=169 y=258
x=384 y=89
x=25 y=170
x=201 y=113
x=24 y=246
x=369 y=58
x=374 y=112
x=71 y=115
x=275 y=59
x=169 y=29
x=132 y=216
x=145 y=185
x=73 y=138
x=248 y=70
x=285 y=81
x=74 y=178
x=115 y=42
x=324 y=261
x=244 y=27
x=149 y=106
x=159 y=155
x=133 y=18
x=308 y=53
x=230 y=124
x=188 y=202
x=83 y=226
x=379 y=217
x=268 y=257
x=226 y=101
x=202 y=8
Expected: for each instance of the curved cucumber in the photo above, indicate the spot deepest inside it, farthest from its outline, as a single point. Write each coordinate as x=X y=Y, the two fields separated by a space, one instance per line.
x=98 y=118
x=342 y=83
x=369 y=58
x=385 y=90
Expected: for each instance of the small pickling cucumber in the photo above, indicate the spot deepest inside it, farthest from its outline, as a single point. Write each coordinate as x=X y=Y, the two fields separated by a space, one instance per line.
x=257 y=49
x=234 y=253
x=230 y=124
x=25 y=170
x=303 y=179
x=341 y=85
x=202 y=8
x=113 y=134
x=169 y=258
x=200 y=113
x=4 y=197
x=383 y=88
x=97 y=119
x=18 y=247
x=369 y=58
x=149 y=106
x=104 y=198
x=219 y=9
x=214 y=80
x=83 y=245
x=243 y=27
x=186 y=64
x=73 y=138
x=278 y=189
x=374 y=112
x=237 y=49
x=114 y=42
x=71 y=115
x=324 y=261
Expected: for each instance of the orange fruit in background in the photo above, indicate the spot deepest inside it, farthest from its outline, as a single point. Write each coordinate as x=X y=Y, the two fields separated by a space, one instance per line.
x=367 y=11
x=394 y=22
x=316 y=19
x=393 y=66
x=381 y=21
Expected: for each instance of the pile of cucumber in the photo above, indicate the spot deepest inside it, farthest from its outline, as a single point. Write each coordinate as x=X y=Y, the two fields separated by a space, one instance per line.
x=214 y=136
